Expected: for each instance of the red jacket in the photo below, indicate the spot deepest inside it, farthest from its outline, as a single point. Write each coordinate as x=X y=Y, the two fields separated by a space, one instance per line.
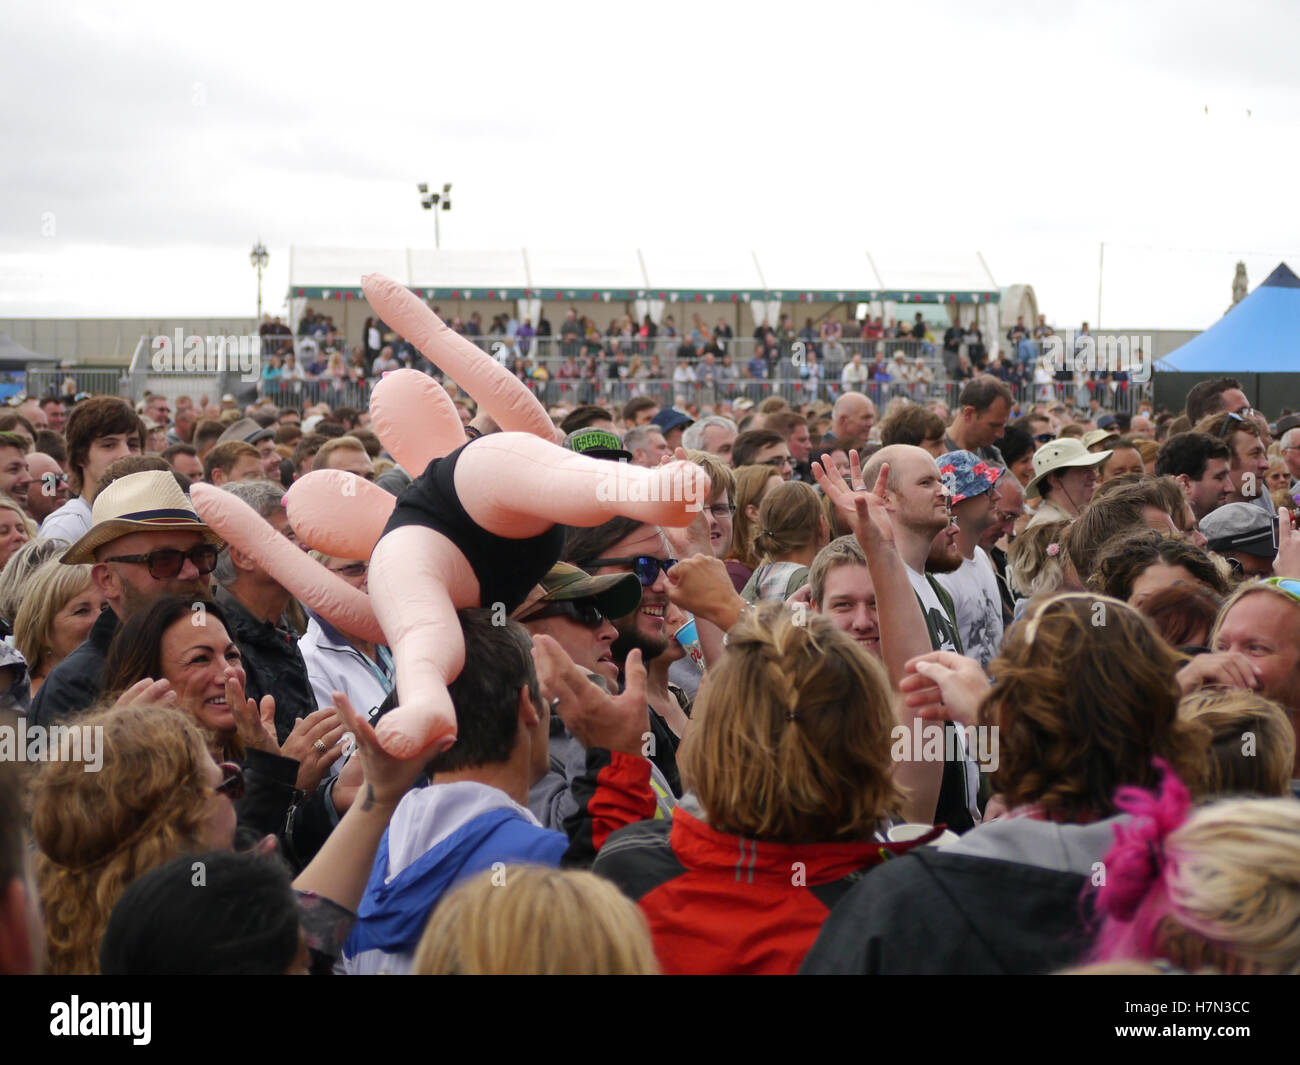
x=718 y=903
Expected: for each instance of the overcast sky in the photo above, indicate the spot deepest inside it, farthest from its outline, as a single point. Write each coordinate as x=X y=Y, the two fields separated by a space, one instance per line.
x=147 y=146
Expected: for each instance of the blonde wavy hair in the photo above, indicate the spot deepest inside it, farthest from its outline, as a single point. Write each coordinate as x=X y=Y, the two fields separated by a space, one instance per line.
x=1230 y=892
x=536 y=922
x=46 y=592
x=790 y=738
x=1251 y=741
x=96 y=832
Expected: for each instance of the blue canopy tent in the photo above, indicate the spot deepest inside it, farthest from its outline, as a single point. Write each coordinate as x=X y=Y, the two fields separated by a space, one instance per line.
x=1257 y=342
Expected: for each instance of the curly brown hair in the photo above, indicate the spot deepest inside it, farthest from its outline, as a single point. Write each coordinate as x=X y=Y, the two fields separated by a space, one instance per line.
x=1124 y=559
x=790 y=739
x=96 y=832
x=1084 y=698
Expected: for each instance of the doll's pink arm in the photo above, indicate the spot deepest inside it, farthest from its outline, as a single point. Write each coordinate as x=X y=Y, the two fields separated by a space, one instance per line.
x=418 y=578
x=338 y=512
x=515 y=485
x=245 y=530
x=415 y=418
x=497 y=390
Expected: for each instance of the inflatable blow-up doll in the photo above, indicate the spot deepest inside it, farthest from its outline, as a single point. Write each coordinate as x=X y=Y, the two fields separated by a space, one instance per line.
x=479 y=526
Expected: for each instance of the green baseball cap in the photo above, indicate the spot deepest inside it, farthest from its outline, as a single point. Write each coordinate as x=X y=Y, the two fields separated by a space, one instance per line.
x=597 y=444
x=615 y=594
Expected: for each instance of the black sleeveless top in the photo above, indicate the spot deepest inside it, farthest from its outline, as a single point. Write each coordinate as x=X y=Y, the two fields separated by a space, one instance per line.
x=506 y=569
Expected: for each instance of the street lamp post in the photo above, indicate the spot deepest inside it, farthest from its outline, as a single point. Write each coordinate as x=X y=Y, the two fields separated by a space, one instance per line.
x=431 y=200
x=259 y=257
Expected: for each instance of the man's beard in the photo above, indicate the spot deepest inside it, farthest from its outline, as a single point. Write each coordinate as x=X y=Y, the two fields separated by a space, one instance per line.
x=135 y=602
x=631 y=638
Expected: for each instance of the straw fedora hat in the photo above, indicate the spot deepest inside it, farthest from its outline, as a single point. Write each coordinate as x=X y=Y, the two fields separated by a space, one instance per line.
x=1065 y=453
x=150 y=501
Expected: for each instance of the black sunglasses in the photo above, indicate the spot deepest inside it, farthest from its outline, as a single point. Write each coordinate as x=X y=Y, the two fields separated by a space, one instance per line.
x=646 y=567
x=232 y=782
x=167 y=562
x=583 y=611
x=1045 y=438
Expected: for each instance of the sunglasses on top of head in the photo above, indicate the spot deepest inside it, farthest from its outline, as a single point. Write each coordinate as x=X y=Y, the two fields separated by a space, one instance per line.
x=646 y=567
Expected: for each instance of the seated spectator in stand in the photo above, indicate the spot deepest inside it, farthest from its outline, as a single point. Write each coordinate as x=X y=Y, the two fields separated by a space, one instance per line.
x=791 y=530
x=538 y=922
x=157 y=795
x=232 y=462
x=913 y=424
x=789 y=759
x=1224 y=895
x=60 y=605
x=1058 y=677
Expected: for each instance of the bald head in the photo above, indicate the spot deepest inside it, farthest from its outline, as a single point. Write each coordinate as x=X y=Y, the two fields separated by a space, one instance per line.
x=900 y=457
x=852 y=418
x=48 y=491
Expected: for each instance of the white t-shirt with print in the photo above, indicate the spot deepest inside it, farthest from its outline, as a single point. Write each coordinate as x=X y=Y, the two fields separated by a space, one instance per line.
x=978 y=604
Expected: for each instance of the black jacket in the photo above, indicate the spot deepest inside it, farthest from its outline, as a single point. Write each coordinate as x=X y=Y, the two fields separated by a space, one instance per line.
x=272 y=662
x=938 y=912
x=76 y=683
x=273 y=805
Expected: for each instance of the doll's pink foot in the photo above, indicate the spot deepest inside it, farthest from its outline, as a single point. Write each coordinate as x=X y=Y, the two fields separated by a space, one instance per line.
x=414 y=729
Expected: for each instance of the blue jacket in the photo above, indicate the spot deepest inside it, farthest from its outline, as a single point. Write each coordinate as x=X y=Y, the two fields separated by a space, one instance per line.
x=439 y=836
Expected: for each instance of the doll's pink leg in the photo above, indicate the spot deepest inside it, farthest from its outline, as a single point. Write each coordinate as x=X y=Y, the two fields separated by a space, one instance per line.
x=515 y=485
x=418 y=578
x=415 y=419
x=338 y=512
x=497 y=390
x=247 y=531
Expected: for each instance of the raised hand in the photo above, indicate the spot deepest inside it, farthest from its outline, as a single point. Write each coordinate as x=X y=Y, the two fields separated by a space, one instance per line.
x=313 y=744
x=147 y=692
x=255 y=725
x=591 y=714
x=944 y=686
x=864 y=512
x=1287 y=563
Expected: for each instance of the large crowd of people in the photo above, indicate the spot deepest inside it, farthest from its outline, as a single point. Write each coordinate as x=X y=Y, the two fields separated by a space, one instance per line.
x=997 y=688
